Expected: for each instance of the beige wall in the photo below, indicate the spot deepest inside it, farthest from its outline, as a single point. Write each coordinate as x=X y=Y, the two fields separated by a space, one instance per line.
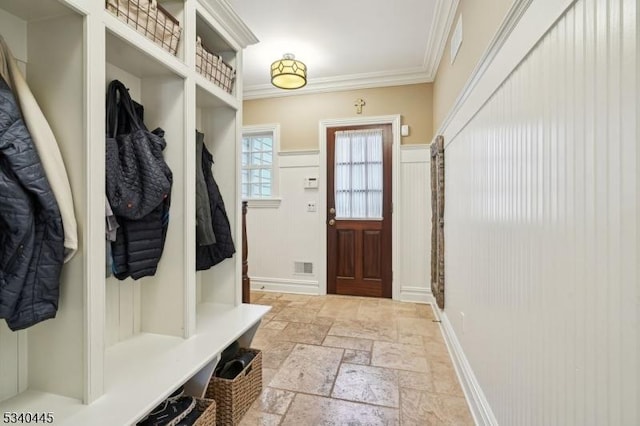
x=299 y=115
x=480 y=22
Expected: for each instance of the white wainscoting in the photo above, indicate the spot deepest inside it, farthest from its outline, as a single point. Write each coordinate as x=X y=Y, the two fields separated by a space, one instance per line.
x=414 y=225
x=542 y=226
x=8 y=360
x=280 y=236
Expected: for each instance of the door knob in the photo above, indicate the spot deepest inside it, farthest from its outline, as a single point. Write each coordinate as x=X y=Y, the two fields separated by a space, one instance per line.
x=332 y=222
x=332 y=210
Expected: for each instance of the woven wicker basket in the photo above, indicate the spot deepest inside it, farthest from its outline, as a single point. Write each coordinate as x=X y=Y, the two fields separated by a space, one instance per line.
x=212 y=67
x=234 y=397
x=208 y=409
x=150 y=20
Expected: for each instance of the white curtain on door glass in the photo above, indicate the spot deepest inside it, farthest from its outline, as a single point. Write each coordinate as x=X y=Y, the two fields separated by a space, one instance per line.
x=358 y=174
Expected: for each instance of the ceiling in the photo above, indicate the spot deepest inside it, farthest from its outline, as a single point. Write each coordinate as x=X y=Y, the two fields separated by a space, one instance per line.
x=345 y=44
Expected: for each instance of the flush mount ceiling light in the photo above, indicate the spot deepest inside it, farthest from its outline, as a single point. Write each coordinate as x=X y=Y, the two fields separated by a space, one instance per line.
x=287 y=73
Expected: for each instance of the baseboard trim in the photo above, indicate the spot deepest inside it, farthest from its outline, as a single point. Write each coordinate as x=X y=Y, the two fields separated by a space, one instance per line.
x=282 y=285
x=480 y=408
x=415 y=295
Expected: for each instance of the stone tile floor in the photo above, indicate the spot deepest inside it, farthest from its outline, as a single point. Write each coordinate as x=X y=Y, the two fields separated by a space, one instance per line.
x=341 y=360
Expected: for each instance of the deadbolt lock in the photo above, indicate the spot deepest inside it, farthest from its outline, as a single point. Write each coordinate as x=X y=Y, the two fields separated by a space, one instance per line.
x=332 y=210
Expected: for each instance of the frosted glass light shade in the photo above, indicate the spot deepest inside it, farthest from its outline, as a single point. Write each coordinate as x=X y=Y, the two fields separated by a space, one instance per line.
x=288 y=73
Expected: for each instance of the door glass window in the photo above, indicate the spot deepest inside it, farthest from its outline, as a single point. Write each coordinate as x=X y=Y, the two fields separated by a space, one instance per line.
x=358 y=174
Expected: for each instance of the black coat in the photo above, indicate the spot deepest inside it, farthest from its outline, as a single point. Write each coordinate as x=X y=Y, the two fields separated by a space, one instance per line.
x=31 y=233
x=223 y=248
x=139 y=243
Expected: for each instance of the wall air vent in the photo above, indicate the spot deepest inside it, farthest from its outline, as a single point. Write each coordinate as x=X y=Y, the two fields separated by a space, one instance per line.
x=305 y=268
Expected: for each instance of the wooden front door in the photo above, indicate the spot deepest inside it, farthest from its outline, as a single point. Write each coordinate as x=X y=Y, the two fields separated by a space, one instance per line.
x=359 y=210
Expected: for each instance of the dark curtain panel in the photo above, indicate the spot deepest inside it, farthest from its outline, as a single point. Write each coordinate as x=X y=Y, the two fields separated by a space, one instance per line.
x=437 y=220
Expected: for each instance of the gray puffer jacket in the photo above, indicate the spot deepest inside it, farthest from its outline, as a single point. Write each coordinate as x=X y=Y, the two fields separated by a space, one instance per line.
x=31 y=233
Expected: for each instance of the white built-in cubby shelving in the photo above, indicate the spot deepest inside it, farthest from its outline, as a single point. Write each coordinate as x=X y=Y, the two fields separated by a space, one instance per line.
x=118 y=348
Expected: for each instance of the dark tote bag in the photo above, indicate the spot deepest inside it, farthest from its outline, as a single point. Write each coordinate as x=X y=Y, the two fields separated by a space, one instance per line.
x=137 y=177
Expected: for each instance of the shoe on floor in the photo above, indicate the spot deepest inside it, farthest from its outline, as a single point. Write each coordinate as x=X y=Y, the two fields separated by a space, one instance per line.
x=191 y=419
x=170 y=412
x=234 y=367
x=228 y=354
x=177 y=393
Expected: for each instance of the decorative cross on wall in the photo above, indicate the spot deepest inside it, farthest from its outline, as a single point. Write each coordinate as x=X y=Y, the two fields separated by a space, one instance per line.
x=359 y=104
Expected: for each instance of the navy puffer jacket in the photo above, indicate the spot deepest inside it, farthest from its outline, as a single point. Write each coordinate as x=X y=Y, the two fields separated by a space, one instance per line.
x=31 y=233
x=139 y=243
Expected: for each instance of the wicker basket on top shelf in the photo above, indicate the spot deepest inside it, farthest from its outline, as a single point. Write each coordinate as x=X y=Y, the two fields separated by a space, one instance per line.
x=212 y=67
x=149 y=19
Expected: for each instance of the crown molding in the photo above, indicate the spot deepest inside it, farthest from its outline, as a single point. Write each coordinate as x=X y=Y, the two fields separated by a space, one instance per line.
x=444 y=12
x=224 y=14
x=347 y=82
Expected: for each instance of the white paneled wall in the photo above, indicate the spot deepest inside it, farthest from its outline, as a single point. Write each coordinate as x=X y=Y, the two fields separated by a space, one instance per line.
x=9 y=357
x=123 y=301
x=414 y=224
x=542 y=228
x=280 y=236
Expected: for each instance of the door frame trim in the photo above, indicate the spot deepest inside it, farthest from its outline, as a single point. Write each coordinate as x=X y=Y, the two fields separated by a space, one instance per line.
x=394 y=120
